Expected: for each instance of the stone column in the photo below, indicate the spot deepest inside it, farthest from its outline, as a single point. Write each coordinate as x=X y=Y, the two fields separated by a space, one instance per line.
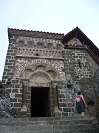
x=57 y=112
x=24 y=96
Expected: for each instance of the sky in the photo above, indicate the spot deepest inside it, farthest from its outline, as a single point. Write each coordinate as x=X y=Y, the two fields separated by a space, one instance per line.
x=56 y=16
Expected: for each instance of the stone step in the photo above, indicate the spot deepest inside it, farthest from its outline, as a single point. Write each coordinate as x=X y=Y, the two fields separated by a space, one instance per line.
x=49 y=125
x=46 y=128
x=47 y=119
x=44 y=123
x=91 y=130
x=52 y=118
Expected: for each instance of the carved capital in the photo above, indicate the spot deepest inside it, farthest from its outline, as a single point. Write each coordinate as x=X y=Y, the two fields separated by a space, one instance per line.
x=25 y=83
x=54 y=84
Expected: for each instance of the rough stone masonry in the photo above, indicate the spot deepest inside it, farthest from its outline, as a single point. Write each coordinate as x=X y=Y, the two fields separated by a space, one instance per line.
x=44 y=71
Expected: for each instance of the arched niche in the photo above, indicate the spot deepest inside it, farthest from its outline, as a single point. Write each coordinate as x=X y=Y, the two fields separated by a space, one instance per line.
x=39 y=77
x=40 y=71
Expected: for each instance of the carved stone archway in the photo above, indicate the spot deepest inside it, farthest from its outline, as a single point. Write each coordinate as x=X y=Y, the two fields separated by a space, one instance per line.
x=39 y=78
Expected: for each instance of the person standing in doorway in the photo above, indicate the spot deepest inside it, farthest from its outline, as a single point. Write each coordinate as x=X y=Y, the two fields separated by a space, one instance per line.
x=80 y=103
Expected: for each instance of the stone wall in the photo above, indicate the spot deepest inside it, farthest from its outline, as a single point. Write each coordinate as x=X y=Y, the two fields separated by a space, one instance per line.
x=78 y=65
x=66 y=99
x=67 y=66
x=10 y=61
x=96 y=90
x=26 y=53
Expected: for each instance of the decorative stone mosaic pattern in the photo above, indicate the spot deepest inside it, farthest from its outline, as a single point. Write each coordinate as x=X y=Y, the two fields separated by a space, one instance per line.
x=21 y=64
x=39 y=47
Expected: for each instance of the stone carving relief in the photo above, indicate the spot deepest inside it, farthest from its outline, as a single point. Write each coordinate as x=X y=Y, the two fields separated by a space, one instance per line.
x=39 y=47
x=40 y=76
x=24 y=67
x=74 y=42
x=39 y=84
x=52 y=73
x=50 y=46
x=20 y=43
x=26 y=73
x=30 y=44
x=40 y=67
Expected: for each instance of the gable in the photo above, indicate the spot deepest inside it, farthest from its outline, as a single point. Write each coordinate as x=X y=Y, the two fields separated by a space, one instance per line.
x=77 y=39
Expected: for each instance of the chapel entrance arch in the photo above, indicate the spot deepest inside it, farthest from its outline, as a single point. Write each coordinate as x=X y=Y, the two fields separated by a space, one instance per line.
x=39 y=92
x=40 y=83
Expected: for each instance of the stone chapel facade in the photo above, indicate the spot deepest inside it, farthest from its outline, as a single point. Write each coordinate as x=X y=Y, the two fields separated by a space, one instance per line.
x=43 y=72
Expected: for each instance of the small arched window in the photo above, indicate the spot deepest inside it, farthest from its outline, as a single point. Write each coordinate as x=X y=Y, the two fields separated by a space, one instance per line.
x=30 y=44
x=20 y=43
x=40 y=45
x=50 y=46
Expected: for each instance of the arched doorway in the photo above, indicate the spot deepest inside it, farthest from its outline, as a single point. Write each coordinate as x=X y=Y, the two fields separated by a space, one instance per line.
x=38 y=93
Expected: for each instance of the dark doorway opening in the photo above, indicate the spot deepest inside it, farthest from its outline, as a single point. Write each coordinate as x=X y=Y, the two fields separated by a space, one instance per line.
x=40 y=103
